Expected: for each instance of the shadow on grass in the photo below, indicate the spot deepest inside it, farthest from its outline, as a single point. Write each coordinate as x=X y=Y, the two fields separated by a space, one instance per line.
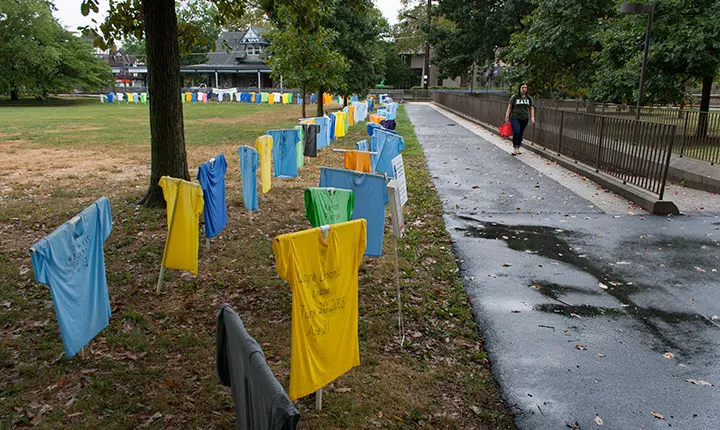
x=48 y=102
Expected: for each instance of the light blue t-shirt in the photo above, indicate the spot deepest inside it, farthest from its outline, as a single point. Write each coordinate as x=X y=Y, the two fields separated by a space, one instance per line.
x=211 y=176
x=249 y=163
x=284 y=147
x=323 y=138
x=388 y=145
x=370 y=200
x=71 y=261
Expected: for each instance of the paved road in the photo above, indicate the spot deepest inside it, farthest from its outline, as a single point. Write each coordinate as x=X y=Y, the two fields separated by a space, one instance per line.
x=592 y=309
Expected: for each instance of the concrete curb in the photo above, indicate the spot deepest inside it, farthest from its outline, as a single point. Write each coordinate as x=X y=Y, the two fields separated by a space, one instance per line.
x=696 y=174
x=642 y=198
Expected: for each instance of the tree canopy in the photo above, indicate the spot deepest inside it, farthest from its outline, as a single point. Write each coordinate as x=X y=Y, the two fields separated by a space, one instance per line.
x=197 y=23
x=40 y=56
x=359 y=26
x=584 y=49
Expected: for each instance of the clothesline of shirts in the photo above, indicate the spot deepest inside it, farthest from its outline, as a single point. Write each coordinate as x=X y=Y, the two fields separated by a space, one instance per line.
x=231 y=95
x=361 y=227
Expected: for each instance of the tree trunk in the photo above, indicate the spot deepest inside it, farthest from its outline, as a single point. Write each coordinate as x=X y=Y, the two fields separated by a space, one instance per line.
x=345 y=100
x=167 y=138
x=704 y=107
x=320 y=103
x=302 y=94
x=14 y=94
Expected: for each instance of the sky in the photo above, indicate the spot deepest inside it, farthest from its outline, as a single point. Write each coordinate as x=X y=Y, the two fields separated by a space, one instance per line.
x=68 y=12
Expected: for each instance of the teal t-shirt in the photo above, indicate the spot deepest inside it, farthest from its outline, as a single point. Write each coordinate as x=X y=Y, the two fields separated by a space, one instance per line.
x=328 y=206
x=521 y=106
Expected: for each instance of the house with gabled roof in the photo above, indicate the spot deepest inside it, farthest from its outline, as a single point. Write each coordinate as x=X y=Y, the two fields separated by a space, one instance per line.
x=237 y=62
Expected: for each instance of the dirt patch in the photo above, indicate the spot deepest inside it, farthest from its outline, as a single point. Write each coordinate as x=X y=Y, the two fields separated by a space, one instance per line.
x=72 y=129
x=23 y=166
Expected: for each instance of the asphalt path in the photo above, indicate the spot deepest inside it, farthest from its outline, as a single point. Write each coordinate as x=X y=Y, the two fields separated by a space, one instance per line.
x=595 y=313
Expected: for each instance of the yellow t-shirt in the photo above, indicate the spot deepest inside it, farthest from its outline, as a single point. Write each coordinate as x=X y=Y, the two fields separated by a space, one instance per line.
x=271 y=98
x=184 y=205
x=323 y=277
x=264 y=145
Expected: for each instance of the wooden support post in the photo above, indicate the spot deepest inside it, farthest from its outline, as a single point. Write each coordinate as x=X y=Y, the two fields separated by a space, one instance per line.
x=318 y=399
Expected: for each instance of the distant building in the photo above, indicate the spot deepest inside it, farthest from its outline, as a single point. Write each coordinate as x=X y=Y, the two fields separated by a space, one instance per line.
x=127 y=72
x=416 y=61
x=238 y=61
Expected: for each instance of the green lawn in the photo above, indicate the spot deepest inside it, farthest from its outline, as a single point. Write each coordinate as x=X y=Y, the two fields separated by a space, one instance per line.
x=155 y=363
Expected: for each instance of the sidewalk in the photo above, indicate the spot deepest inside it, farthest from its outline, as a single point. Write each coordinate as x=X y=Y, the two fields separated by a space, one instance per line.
x=689 y=201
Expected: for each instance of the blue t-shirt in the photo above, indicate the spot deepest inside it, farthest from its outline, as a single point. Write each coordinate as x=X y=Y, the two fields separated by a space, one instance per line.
x=211 y=176
x=249 y=163
x=284 y=157
x=389 y=145
x=370 y=200
x=332 y=119
x=71 y=261
x=323 y=138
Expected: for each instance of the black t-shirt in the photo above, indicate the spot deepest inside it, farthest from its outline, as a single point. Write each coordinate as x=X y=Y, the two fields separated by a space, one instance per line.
x=521 y=106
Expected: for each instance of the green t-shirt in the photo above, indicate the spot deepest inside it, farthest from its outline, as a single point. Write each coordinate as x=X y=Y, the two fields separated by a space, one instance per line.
x=328 y=206
x=299 y=148
x=521 y=106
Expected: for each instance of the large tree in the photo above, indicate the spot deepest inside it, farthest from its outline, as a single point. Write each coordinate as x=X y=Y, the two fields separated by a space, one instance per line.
x=360 y=26
x=155 y=21
x=397 y=70
x=299 y=34
x=197 y=23
x=474 y=32
x=40 y=56
x=305 y=59
x=571 y=47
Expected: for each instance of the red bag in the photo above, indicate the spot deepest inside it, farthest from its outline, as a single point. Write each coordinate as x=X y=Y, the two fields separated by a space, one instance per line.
x=506 y=129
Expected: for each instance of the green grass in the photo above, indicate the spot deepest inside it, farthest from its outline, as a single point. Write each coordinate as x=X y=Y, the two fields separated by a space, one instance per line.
x=157 y=354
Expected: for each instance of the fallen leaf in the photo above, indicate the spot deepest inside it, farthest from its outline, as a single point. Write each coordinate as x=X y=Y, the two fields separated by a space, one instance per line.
x=601 y=355
x=715 y=318
x=476 y=186
x=599 y=421
x=574 y=315
x=657 y=415
x=669 y=355
x=475 y=409
x=151 y=419
x=603 y=286
x=506 y=265
x=699 y=269
x=580 y=347
x=343 y=390
x=515 y=311
x=699 y=382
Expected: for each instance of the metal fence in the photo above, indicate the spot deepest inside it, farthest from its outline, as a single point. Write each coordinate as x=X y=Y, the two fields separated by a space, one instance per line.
x=636 y=152
x=697 y=133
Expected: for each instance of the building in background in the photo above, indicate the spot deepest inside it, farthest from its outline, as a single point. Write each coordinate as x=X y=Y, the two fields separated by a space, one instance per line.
x=238 y=61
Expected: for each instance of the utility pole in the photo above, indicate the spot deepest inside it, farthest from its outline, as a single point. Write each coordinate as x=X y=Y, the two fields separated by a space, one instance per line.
x=426 y=66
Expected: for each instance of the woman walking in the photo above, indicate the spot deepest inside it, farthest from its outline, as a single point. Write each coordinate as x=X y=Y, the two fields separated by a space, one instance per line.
x=521 y=108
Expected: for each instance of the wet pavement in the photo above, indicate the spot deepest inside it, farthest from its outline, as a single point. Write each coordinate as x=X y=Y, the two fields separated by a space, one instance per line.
x=593 y=311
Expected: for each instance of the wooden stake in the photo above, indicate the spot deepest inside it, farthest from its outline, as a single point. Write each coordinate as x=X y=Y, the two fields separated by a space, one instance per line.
x=401 y=322
x=318 y=399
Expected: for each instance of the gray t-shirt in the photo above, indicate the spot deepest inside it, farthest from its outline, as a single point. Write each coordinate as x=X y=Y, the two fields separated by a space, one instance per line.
x=260 y=400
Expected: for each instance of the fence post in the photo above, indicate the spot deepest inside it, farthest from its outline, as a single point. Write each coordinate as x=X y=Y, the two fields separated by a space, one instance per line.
x=562 y=120
x=600 y=144
x=667 y=161
x=684 y=134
